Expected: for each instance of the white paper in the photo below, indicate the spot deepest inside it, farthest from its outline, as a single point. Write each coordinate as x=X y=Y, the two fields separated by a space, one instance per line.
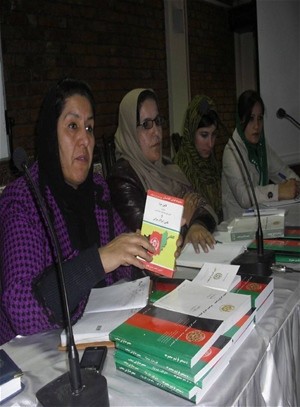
x=222 y=253
x=132 y=294
x=194 y=299
x=96 y=326
x=219 y=276
x=107 y=308
x=279 y=204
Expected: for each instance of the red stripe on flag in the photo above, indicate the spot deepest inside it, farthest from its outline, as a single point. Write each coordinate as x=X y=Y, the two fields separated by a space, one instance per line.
x=164 y=327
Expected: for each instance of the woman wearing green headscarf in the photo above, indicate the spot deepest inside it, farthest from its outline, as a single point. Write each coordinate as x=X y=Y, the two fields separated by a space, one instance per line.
x=196 y=154
x=262 y=162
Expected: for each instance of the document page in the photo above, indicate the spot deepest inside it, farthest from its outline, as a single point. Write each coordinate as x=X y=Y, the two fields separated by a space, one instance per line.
x=219 y=276
x=132 y=294
x=222 y=253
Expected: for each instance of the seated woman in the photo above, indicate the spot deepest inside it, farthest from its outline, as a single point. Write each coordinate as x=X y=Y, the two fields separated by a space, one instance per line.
x=196 y=153
x=91 y=235
x=263 y=163
x=140 y=166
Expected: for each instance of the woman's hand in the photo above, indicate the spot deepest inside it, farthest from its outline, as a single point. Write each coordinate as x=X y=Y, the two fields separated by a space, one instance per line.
x=191 y=202
x=288 y=189
x=199 y=235
x=124 y=249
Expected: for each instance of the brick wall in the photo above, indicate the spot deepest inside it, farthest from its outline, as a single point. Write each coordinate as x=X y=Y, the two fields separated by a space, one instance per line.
x=212 y=63
x=115 y=45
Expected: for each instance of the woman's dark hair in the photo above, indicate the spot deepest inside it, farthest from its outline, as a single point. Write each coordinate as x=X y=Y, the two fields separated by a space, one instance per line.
x=52 y=106
x=208 y=119
x=246 y=102
x=144 y=95
x=68 y=87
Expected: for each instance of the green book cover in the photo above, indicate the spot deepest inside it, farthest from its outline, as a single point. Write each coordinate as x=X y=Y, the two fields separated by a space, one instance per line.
x=285 y=258
x=280 y=246
x=168 y=334
x=173 y=384
x=194 y=374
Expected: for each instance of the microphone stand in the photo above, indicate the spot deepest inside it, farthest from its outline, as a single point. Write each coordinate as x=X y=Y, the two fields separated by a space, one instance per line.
x=253 y=262
x=68 y=389
x=281 y=113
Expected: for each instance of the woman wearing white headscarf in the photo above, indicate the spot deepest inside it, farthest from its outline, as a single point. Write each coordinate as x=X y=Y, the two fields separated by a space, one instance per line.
x=140 y=166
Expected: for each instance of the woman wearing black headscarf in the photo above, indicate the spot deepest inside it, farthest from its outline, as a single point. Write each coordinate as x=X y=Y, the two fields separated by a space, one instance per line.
x=91 y=235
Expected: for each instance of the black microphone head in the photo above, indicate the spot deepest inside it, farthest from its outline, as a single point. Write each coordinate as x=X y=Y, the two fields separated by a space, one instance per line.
x=280 y=113
x=20 y=158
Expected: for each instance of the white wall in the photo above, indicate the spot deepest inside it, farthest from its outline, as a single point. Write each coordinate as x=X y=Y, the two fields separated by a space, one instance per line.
x=177 y=62
x=278 y=24
x=245 y=62
x=3 y=135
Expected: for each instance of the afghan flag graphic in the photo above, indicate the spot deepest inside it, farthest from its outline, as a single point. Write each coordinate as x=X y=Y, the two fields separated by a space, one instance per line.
x=168 y=334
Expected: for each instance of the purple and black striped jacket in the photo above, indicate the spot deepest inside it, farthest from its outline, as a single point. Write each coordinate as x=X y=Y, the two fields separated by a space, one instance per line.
x=25 y=253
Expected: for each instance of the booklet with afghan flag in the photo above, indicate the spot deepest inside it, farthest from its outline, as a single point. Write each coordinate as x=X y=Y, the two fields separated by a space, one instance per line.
x=161 y=225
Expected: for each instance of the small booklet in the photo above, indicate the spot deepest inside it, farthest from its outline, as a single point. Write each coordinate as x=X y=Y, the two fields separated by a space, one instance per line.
x=219 y=276
x=222 y=253
x=10 y=377
x=161 y=225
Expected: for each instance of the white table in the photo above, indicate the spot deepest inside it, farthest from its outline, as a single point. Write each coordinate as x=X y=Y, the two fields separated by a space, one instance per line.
x=265 y=371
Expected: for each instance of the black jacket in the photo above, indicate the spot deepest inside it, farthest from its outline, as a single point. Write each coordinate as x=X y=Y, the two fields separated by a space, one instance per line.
x=129 y=197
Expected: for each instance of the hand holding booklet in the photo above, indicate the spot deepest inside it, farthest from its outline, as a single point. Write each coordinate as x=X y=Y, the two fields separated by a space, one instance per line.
x=161 y=225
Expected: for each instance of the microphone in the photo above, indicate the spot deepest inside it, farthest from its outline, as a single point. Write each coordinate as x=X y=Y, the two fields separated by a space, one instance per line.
x=253 y=262
x=78 y=387
x=281 y=114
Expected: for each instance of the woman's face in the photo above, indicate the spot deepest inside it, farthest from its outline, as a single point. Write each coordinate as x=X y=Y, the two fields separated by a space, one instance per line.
x=75 y=130
x=255 y=125
x=205 y=138
x=150 y=140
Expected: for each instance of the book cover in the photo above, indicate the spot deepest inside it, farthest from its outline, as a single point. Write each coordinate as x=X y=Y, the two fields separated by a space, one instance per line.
x=193 y=374
x=10 y=377
x=171 y=335
x=9 y=369
x=200 y=301
x=184 y=387
x=171 y=383
x=287 y=258
x=280 y=246
x=244 y=228
x=292 y=232
x=155 y=380
x=258 y=287
x=161 y=225
x=162 y=286
x=241 y=325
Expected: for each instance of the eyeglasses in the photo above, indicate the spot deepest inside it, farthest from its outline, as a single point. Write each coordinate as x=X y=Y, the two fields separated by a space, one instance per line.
x=148 y=123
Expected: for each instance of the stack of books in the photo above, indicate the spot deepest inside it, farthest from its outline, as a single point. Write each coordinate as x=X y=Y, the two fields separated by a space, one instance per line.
x=185 y=337
x=245 y=227
x=286 y=248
